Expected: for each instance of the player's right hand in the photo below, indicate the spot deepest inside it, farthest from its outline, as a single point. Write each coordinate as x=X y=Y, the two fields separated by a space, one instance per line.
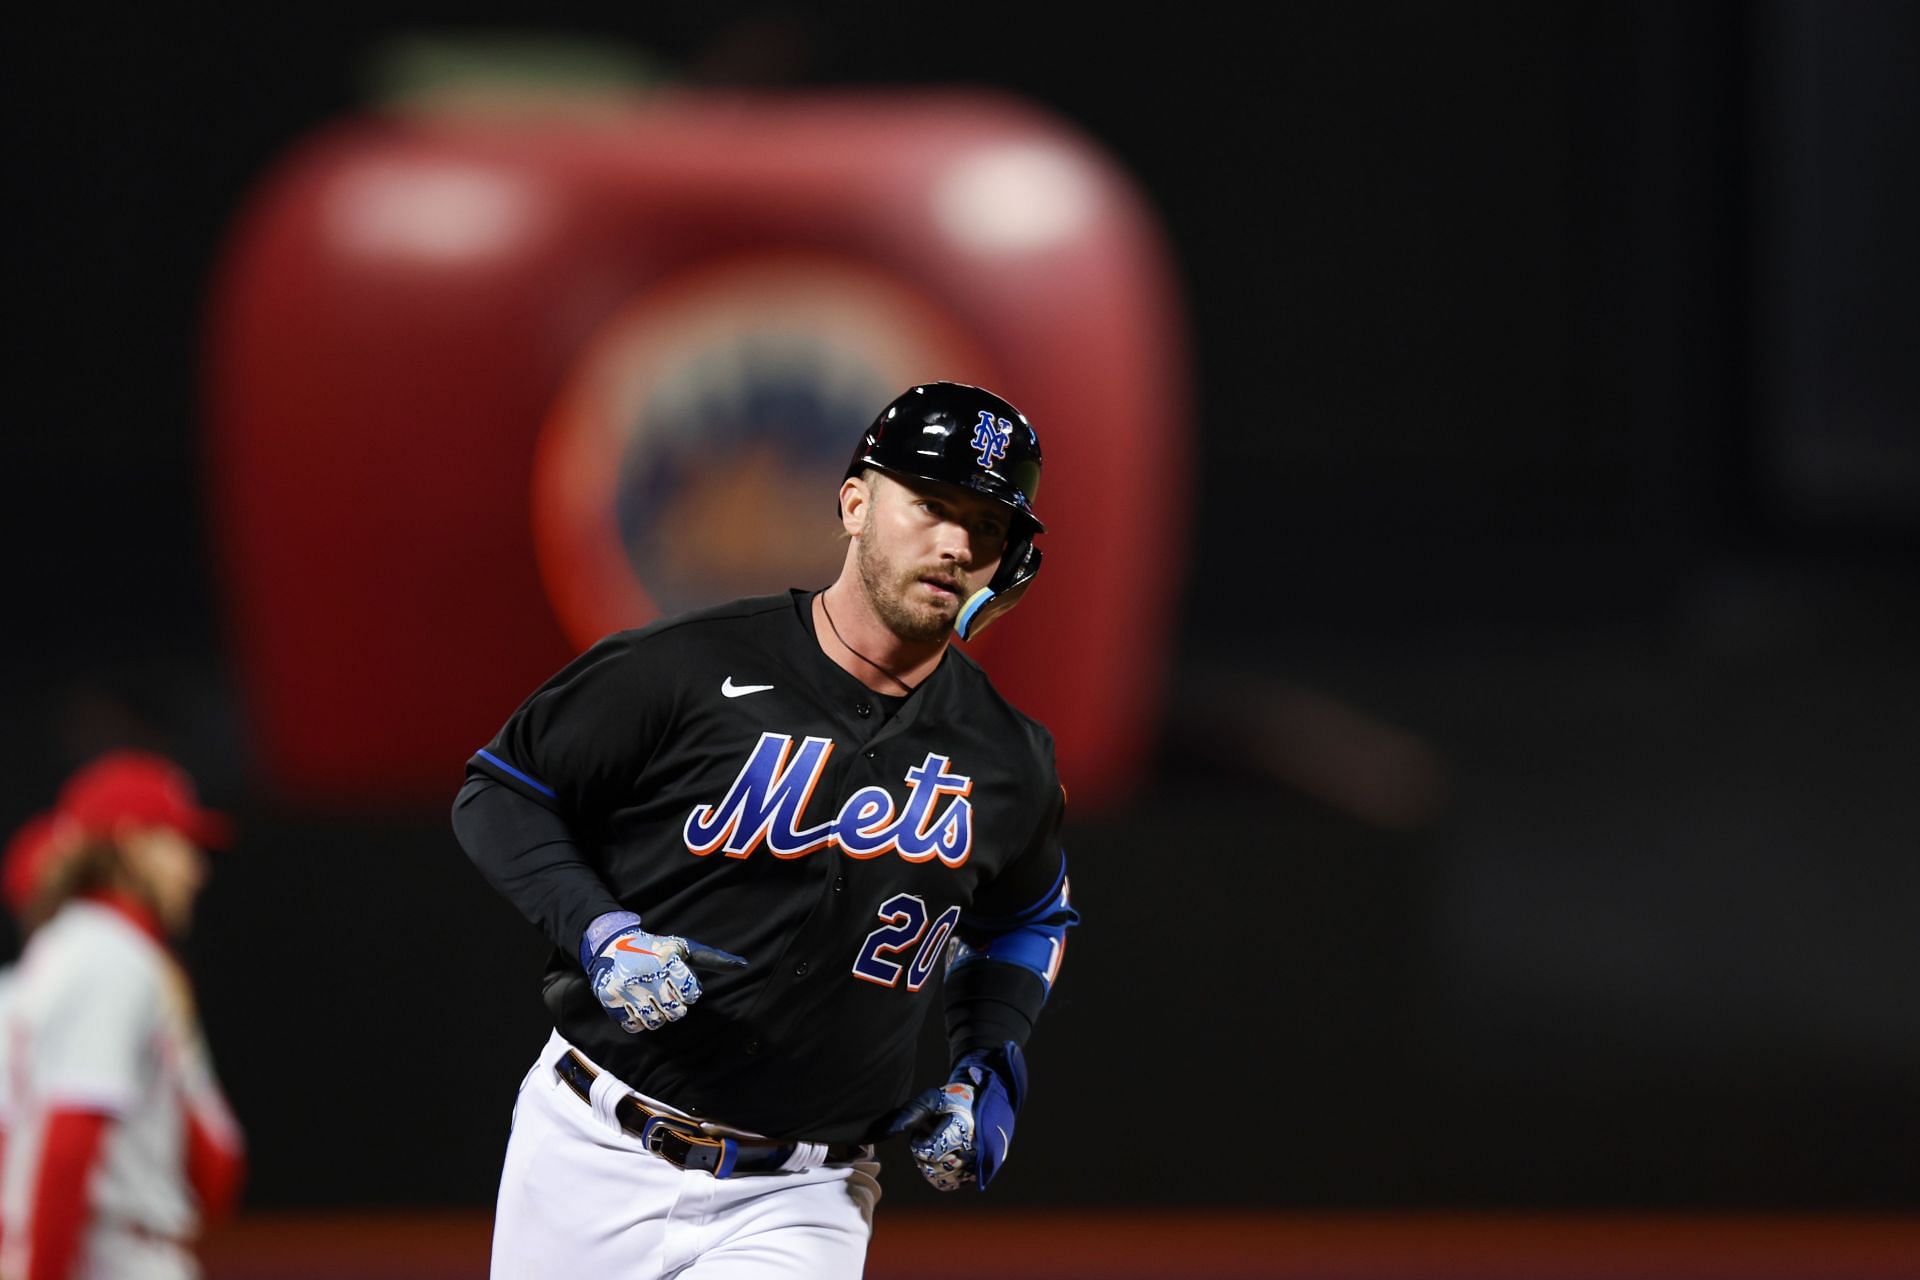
x=643 y=981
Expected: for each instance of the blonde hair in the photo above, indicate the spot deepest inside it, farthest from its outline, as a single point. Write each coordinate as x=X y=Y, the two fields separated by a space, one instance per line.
x=92 y=864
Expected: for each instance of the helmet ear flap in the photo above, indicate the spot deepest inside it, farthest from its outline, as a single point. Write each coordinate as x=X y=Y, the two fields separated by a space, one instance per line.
x=1018 y=567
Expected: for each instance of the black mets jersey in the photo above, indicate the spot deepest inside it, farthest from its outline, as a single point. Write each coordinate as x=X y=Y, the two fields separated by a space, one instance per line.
x=731 y=784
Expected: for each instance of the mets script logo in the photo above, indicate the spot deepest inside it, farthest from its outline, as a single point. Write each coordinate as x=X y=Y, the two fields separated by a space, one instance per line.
x=770 y=795
x=990 y=436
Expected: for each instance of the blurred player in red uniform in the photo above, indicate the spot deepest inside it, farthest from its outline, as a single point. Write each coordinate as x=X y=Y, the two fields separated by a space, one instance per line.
x=121 y=1146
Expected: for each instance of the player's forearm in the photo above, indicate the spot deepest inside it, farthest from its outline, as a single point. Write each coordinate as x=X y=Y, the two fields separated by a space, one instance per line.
x=216 y=1168
x=527 y=853
x=69 y=1151
x=1002 y=970
x=990 y=1002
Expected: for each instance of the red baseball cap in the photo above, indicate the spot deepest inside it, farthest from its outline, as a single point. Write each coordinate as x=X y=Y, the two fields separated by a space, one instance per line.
x=143 y=788
x=34 y=850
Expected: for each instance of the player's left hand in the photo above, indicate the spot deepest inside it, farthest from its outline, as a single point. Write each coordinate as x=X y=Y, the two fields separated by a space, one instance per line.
x=959 y=1133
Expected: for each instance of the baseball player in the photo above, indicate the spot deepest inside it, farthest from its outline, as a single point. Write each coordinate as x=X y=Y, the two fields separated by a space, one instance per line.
x=761 y=836
x=121 y=1145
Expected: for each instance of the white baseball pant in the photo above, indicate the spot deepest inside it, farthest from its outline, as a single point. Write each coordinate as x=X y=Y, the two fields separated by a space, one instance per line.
x=580 y=1197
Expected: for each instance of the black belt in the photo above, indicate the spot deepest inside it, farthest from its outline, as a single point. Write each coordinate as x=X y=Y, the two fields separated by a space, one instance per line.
x=684 y=1144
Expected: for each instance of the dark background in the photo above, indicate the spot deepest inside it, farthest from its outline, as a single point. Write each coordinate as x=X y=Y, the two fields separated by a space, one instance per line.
x=1535 y=817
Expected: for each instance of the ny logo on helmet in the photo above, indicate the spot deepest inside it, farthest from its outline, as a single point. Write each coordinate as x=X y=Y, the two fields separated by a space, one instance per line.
x=990 y=436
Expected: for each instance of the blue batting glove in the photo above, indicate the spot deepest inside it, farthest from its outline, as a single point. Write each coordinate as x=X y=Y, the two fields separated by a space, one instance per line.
x=642 y=979
x=959 y=1133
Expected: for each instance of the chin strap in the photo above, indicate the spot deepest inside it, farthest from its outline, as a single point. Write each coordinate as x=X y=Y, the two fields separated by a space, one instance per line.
x=1010 y=582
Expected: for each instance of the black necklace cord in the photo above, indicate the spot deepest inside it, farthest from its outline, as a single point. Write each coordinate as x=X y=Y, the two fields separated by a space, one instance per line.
x=855 y=652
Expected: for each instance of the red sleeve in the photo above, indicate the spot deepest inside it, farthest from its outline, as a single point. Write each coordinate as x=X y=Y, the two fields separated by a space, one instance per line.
x=215 y=1169
x=60 y=1192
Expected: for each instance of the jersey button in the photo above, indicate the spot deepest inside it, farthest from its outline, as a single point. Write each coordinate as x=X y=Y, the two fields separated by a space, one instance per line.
x=753 y=1047
x=839 y=884
x=800 y=970
x=871 y=754
x=863 y=709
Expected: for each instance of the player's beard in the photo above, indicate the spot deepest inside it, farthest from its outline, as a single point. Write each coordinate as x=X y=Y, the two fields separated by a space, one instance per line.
x=889 y=590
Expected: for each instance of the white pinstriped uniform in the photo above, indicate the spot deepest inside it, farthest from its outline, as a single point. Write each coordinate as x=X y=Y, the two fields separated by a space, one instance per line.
x=101 y=1019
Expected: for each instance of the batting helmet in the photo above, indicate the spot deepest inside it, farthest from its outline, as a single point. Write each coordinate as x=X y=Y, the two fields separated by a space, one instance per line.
x=962 y=435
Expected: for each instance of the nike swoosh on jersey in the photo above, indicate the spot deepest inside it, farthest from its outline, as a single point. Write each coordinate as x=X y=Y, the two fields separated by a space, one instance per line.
x=731 y=690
